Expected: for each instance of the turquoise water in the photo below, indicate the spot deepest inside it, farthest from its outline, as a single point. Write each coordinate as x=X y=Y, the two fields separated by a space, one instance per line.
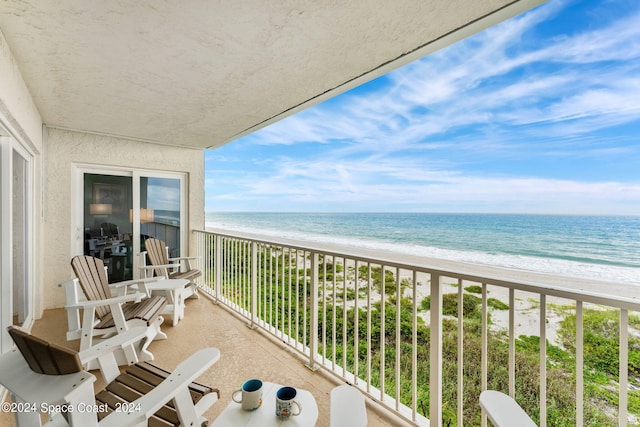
x=598 y=247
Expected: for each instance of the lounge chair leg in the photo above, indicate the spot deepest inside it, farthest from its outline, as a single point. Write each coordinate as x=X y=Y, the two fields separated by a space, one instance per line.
x=194 y=291
x=158 y=335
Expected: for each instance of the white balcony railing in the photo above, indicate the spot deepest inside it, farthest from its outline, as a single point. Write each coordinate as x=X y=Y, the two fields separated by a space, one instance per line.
x=410 y=335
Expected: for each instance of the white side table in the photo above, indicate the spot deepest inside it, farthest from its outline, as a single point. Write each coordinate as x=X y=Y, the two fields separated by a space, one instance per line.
x=265 y=416
x=173 y=289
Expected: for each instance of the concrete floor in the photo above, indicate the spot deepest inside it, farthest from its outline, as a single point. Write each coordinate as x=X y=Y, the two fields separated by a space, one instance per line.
x=245 y=354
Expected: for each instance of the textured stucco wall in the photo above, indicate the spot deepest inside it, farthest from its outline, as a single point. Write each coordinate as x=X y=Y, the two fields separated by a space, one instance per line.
x=63 y=151
x=16 y=103
x=19 y=114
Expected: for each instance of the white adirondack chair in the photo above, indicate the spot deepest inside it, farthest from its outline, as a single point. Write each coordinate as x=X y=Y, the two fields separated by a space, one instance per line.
x=161 y=265
x=108 y=310
x=348 y=408
x=503 y=411
x=45 y=378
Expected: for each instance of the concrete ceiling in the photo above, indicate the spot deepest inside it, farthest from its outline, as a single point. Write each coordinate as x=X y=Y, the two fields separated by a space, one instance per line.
x=201 y=73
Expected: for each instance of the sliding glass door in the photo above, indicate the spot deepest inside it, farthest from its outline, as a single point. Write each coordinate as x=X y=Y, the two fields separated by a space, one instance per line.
x=20 y=253
x=16 y=235
x=123 y=208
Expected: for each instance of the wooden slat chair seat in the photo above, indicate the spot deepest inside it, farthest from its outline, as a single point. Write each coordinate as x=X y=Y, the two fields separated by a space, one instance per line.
x=161 y=265
x=148 y=311
x=105 y=314
x=141 y=378
x=137 y=381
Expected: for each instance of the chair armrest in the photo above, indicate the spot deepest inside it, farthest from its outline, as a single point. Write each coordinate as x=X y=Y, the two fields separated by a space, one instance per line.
x=153 y=267
x=116 y=342
x=115 y=300
x=185 y=258
x=175 y=386
x=135 y=282
x=29 y=386
x=104 y=352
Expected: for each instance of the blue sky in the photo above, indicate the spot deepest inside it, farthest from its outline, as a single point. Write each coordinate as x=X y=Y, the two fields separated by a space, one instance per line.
x=539 y=114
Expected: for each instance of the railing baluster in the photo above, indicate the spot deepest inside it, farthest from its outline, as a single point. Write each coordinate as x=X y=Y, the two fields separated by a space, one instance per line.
x=512 y=344
x=263 y=269
x=313 y=318
x=282 y=287
x=543 y=360
x=435 y=349
x=369 y=333
x=234 y=273
x=324 y=309
x=579 y=365
x=305 y=286
x=398 y=348
x=484 y=349
x=290 y=295
x=344 y=317
x=254 y=283
x=356 y=342
x=334 y=316
x=414 y=350
x=382 y=331
x=460 y=353
x=623 y=373
x=217 y=269
x=269 y=299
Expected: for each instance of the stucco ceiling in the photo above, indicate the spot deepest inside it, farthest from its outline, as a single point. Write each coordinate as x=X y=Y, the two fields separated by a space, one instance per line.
x=201 y=73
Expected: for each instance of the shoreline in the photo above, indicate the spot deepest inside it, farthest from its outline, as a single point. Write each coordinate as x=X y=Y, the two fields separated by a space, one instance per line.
x=532 y=279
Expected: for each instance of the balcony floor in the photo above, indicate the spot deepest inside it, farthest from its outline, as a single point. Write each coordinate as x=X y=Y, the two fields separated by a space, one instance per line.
x=245 y=354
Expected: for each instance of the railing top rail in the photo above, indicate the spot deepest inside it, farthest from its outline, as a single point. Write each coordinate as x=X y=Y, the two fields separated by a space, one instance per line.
x=619 y=295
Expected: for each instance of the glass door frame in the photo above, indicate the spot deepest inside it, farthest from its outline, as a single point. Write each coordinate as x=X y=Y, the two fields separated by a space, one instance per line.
x=77 y=214
x=10 y=146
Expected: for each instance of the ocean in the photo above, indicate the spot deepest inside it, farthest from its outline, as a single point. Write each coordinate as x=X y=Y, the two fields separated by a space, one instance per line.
x=595 y=247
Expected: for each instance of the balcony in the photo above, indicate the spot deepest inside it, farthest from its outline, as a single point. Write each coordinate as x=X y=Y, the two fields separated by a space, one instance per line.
x=430 y=335
x=246 y=353
x=266 y=296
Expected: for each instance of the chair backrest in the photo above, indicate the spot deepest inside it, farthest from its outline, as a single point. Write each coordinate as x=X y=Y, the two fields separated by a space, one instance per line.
x=157 y=253
x=93 y=280
x=347 y=407
x=44 y=357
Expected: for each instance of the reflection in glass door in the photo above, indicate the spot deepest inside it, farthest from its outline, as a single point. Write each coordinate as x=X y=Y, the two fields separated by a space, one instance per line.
x=108 y=228
x=160 y=211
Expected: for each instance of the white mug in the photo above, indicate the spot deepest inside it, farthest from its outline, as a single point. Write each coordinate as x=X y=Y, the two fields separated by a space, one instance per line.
x=285 y=402
x=251 y=397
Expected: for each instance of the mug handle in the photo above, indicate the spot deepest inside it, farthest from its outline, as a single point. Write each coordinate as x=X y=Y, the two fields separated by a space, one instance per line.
x=233 y=396
x=299 y=408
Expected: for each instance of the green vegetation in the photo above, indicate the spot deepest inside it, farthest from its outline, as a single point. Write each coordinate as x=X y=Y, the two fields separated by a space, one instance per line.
x=474 y=289
x=284 y=301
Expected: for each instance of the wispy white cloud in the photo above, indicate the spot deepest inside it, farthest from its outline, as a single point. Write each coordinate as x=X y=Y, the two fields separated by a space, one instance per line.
x=509 y=93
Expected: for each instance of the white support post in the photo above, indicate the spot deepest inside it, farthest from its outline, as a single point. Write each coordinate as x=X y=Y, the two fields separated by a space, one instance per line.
x=623 y=369
x=314 y=301
x=484 y=349
x=579 y=365
x=217 y=266
x=254 y=284
x=435 y=368
x=543 y=360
